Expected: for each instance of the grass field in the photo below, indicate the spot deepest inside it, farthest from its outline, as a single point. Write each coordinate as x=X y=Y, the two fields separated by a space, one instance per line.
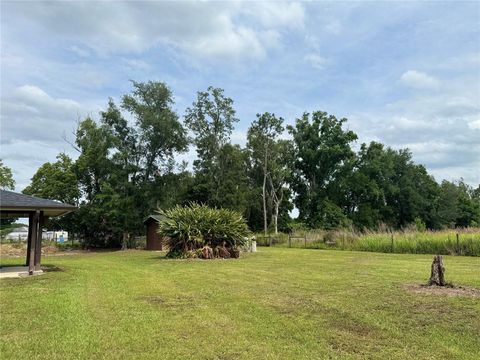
x=442 y=242
x=275 y=304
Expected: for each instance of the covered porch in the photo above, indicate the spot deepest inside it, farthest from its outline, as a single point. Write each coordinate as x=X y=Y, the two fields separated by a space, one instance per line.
x=37 y=210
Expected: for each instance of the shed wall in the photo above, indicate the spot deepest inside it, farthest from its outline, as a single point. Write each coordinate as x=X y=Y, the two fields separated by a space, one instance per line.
x=153 y=239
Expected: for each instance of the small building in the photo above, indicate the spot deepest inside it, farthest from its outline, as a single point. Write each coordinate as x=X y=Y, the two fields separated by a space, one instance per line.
x=154 y=241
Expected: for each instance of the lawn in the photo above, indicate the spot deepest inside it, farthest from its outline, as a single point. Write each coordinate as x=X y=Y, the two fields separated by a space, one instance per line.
x=275 y=304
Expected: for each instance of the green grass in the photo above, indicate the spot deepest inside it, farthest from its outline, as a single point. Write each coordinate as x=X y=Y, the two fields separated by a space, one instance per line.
x=275 y=304
x=404 y=242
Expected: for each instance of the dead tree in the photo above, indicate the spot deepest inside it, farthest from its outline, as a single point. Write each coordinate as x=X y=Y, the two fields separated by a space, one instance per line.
x=437 y=276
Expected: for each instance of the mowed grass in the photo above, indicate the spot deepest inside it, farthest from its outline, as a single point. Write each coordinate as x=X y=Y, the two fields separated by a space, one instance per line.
x=274 y=304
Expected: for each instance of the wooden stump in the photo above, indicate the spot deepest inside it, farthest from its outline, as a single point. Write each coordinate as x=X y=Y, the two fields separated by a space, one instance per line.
x=223 y=253
x=437 y=276
x=206 y=253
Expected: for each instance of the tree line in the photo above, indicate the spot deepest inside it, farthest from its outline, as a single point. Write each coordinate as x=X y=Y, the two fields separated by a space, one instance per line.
x=128 y=169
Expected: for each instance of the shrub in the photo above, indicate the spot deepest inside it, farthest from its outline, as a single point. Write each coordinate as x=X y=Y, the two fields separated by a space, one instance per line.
x=194 y=229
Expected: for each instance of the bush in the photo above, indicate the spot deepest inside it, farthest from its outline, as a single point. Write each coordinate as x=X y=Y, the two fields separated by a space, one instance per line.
x=192 y=230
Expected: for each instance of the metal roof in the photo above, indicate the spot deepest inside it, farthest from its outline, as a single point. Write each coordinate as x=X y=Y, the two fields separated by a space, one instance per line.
x=12 y=202
x=155 y=217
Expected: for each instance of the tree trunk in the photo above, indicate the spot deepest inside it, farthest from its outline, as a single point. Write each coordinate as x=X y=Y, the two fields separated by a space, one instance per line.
x=125 y=240
x=264 y=195
x=276 y=217
x=437 y=276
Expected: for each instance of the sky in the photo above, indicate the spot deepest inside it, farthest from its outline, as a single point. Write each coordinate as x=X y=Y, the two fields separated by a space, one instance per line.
x=406 y=74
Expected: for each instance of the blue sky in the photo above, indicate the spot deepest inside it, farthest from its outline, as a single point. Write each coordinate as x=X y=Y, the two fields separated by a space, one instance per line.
x=404 y=73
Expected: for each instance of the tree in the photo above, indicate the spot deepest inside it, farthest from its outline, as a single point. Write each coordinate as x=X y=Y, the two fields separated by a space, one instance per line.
x=211 y=118
x=120 y=163
x=57 y=181
x=160 y=133
x=262 y=142
x=6 y=177
x=323 y=158
x=458 y=205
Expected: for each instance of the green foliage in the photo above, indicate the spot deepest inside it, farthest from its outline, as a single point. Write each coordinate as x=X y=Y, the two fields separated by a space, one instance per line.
x=56 y=181
x=220 y=177
x=323 y=157
x=270 y=162
x=190 y=228
x=128 y=168
x=6 y=177
x=420 y=225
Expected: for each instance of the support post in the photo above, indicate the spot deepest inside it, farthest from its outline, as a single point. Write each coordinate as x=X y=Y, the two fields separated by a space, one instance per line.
x=289 y=240
x=33 y=241
x=29 y=237
x=458 y=244
x=38 y=243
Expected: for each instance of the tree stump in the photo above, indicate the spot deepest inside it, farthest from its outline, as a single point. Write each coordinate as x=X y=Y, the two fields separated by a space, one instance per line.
x=206 y=253
x=437 y=276
x=223 y=253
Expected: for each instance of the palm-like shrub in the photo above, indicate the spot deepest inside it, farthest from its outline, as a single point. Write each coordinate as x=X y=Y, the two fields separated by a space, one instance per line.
x=188 y=230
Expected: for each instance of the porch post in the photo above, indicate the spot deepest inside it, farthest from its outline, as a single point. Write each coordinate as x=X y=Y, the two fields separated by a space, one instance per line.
x=33 y=241
x=29 y=237
x=38 y=243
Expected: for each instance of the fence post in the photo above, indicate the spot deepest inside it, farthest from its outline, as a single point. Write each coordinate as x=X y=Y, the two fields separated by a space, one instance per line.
x=392 y=244
x=305 y=241
x=270 y=240
x=289 y=241
x=458 y=244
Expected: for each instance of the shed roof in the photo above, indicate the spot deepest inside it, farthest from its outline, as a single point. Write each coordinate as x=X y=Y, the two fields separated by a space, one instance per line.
x=155 y=217
x=12 y=202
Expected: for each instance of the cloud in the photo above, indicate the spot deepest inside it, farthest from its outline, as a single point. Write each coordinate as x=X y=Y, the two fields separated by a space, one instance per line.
x=474 y=125
x=82 y=52
x=419 y=80
x=316 y=61
x=206 y=29
x=28 y=112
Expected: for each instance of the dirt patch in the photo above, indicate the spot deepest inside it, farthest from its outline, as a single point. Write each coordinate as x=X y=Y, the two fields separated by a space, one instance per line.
x=448 y=290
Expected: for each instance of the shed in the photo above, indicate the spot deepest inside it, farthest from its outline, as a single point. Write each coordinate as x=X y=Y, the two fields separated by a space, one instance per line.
x=15 y=205
x=154 y=242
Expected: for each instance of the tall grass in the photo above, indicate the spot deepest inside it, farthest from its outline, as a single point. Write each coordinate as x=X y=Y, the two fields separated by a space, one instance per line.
x=443 y=242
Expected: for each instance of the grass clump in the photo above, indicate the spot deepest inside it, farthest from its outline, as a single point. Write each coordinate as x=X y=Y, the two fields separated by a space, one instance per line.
x=200 y=231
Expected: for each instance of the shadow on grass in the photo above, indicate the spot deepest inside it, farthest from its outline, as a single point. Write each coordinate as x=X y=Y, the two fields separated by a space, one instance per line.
x=52 y=268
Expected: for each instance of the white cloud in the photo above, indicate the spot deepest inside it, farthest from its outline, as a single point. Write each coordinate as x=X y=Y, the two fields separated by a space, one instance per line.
x=474 y=125
x=79 y=51
x=419 y=80
x=209 y=29
x=275 y=14
x=30 y=113
x=316 y=61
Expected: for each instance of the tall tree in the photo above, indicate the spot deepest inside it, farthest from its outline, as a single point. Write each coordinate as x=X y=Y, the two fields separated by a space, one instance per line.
x=160 y=133
x=323 y=157
x=211 y=118
x=266 y=152
x=6 y=177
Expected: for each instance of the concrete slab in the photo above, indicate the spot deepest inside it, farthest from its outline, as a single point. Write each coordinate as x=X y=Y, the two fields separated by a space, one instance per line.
x=16 y=271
